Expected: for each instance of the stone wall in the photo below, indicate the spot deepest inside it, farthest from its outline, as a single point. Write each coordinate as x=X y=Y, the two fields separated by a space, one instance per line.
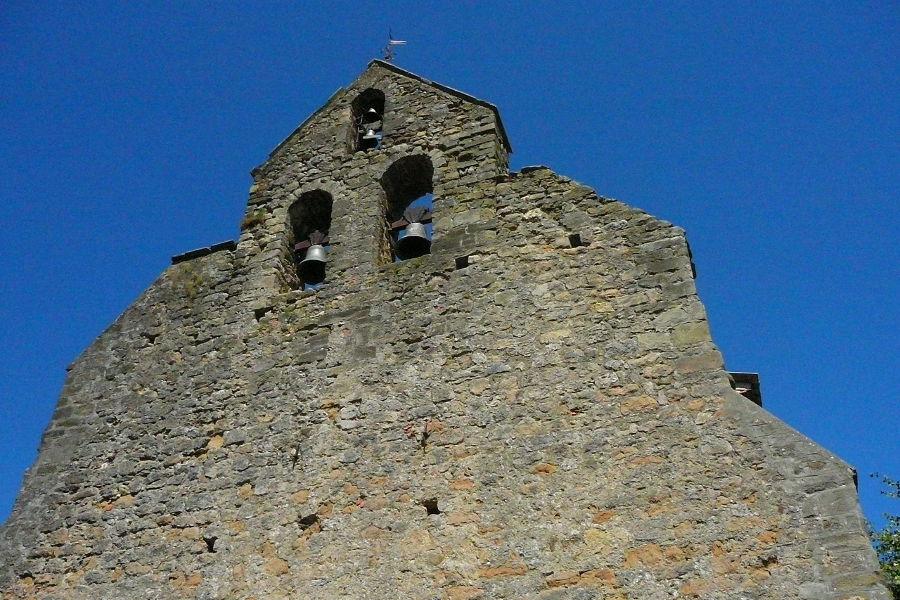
x=534 y=410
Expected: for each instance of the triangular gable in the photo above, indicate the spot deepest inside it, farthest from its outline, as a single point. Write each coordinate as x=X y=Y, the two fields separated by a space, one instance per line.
x=462 y=95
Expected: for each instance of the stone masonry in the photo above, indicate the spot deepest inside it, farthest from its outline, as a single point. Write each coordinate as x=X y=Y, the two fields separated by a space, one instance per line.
x=535 y=409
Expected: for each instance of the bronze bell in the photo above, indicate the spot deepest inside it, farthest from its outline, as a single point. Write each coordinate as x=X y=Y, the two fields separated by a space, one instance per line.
x=370 y=140
x=413 y=241
x=371 y=116
x=312 y=267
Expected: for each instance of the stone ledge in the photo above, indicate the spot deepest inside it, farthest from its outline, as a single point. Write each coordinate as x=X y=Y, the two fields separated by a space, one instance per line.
x=192 y=254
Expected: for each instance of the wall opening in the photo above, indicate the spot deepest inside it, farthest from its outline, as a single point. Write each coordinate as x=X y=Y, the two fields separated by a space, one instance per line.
x=408 y=206
x=747 y=385
x=308 y=521
x=310 y=222
x=431 y=506
x=367 y=127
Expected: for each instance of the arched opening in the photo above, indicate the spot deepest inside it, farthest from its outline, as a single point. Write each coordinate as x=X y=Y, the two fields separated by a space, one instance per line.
x=408 y=191
x=367 y=128
x=310 y=221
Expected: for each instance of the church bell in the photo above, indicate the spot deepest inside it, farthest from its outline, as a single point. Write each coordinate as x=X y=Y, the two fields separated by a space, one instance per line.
x=371 y=115
x=413 y=241
x=312 y=267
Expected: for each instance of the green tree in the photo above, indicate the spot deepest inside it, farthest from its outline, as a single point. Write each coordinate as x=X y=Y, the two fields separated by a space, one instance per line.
x=887 y=541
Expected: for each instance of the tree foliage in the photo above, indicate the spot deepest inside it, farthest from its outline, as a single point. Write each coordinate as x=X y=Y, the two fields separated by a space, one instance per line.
x=887 y=541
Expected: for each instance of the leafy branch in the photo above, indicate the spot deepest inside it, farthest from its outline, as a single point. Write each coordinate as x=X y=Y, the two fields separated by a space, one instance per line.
x=887 y=541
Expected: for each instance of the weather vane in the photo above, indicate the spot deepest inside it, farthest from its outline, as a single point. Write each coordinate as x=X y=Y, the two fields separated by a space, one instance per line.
x=389 y=48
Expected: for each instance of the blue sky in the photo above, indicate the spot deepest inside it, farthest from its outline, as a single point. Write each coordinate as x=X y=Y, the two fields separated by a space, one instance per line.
x=768 y=130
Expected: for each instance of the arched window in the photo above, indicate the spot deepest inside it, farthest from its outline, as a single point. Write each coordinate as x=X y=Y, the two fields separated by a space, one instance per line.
x=408 y=192
x=310 y=221
x=367 y=128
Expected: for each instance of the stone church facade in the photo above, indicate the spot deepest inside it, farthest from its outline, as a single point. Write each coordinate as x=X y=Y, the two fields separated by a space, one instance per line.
x=521 y=400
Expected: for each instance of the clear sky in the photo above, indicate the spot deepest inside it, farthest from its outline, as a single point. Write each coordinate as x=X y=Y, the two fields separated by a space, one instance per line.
x=768 y=130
